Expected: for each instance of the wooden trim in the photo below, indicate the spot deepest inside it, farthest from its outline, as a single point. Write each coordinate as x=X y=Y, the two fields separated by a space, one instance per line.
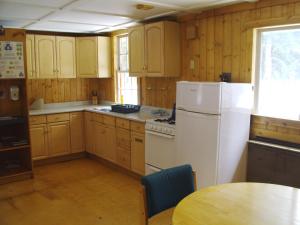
x=234 y=9
x=16 y=177
x=57 y=159
x=114 y=166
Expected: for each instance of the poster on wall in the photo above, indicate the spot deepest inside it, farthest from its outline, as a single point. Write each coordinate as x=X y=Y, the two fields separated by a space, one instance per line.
x=11 y=59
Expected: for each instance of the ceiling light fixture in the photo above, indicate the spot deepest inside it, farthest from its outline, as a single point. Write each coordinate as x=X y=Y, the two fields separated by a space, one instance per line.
x=144 y=7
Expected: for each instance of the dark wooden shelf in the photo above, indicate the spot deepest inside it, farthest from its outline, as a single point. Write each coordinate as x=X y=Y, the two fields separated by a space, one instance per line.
x=10 y=148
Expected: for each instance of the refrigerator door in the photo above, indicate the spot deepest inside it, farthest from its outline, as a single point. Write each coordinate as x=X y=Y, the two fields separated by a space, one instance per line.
x=199 y=97
x=197 y=139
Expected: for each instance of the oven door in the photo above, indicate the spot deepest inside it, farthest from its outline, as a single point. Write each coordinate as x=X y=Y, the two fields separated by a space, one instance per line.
x=160 y=150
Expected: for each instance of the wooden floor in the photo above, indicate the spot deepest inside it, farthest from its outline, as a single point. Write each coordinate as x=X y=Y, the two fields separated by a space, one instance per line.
x=79 y=192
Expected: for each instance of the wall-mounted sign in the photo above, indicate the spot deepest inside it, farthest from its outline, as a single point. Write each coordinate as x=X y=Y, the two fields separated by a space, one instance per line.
x=11 y=59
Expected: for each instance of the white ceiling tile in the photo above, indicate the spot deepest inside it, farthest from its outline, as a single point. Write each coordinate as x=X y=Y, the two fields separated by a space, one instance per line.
x=49 y=3
x=118 y=7
x=16 y=10
x=89 y=18
x=15 y=23
x=64 y=27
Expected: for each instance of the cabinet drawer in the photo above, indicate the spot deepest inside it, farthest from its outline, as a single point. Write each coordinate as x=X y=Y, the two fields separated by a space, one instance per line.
x=137 y=127
x=37 y=119
x=123 y=158
x=98 y=117
x=109 y=120
x=123 y=138
x=58 y=117
x=123 y=123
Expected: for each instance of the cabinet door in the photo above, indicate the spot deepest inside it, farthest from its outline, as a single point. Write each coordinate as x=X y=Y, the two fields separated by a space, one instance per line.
x=65 y=49
x=110 y=144
x=59 y=138
x=138 y=153
x=136 y=42
x=104 y=60
x=45 y=52
x=39 y=143
x=100 y=142
x=87 y=56
x=154 y=38
x=89 y=132
x=30 y=55
x=77 y=136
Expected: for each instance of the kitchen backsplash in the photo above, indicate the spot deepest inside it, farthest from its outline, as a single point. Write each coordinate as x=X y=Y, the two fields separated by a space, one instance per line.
x=66 y=90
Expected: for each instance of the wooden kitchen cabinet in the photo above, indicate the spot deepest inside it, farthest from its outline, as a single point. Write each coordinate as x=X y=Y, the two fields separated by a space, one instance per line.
x=54 y=57
x=30 y=56
x=89 y=132
x=105 y=141
x=59 y=138
x=77 y=132
x=66 y=57
x=138 y=153
x=136 y=42
x=39 y=142
x=110 y=143
x=45 y=56
x=99 y=134
x=123 y=146
x=93 y=57
x=161 y=50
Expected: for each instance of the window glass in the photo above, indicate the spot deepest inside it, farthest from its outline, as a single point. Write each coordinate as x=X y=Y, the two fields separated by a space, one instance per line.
x=278 y=82
x=127 y=87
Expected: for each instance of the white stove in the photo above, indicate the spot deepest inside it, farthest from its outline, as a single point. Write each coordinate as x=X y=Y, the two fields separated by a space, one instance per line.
x=160 y=145
x=163 y=126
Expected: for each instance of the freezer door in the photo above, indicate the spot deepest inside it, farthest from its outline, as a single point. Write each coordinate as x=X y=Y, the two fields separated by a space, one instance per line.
x=197 y=138
x=199 y=97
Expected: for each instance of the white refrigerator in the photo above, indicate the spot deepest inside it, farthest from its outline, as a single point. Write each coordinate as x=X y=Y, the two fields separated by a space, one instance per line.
x=212 y=130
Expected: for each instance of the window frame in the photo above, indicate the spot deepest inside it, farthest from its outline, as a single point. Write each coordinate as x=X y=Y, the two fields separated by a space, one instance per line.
x=257 y=60
x=117 y=69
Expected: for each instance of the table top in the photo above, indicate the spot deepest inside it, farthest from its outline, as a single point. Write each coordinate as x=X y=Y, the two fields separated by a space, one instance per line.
x=240 y=204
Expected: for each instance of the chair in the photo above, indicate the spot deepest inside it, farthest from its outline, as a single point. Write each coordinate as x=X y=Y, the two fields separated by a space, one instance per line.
x=162 y=191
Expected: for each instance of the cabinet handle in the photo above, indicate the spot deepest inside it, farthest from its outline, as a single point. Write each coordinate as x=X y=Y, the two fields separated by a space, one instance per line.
x=138 y=140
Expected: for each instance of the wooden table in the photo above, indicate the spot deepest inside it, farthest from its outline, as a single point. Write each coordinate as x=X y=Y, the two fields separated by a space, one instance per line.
x=240 y=204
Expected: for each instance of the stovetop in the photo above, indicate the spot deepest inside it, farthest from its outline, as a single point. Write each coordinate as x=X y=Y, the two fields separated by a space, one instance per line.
x=168 y=121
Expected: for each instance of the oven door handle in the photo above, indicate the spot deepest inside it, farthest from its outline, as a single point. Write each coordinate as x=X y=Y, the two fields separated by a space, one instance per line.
x=160 y=135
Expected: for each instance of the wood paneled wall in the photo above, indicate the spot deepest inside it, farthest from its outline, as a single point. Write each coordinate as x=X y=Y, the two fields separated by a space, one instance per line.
x=284 y=130
x=66 y=90
x=223 y=44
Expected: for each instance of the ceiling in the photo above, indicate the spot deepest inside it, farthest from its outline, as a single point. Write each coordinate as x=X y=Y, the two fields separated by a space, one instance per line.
x=92 y=16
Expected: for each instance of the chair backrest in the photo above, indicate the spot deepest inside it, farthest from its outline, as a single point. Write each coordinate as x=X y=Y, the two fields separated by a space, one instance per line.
x=164 y=189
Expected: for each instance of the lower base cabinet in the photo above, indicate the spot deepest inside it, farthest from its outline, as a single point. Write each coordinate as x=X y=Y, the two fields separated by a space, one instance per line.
x=56 y=134
x=117 y=140
x=39 y=142
x=59 y=138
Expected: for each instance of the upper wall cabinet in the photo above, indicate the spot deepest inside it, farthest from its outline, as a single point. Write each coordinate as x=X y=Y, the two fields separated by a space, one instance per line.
x=45 y=53
x=93 y=57
x=50 y=56
x=154 y=50
x=66 y=57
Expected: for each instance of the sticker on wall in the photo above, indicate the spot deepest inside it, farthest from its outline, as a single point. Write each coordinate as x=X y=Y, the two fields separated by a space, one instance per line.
x=11 y=59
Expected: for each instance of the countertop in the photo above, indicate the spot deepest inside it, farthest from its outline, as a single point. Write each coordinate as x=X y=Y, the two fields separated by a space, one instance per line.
x=145 y=113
